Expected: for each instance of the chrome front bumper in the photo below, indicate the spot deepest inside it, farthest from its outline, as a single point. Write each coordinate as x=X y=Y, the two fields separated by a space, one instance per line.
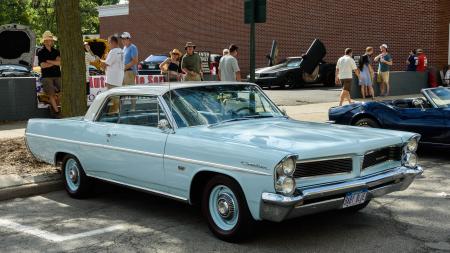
x=276 y=207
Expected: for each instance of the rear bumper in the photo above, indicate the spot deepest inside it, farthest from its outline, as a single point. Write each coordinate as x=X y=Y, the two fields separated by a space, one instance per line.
x=276 y=207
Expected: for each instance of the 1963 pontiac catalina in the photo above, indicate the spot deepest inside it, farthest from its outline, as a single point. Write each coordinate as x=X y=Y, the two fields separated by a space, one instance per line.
x=227 y=147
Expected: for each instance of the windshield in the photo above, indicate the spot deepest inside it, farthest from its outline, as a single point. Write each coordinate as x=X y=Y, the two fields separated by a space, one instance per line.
x=293 y=62
x=215 y=104
x=156 y=58
x=440 y=96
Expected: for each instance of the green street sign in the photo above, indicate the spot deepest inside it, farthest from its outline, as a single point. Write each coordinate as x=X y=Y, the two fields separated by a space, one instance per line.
x=254 y=10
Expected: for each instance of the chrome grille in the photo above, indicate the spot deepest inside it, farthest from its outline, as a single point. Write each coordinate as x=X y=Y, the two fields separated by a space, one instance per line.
x=323 y=167
x=393 y=153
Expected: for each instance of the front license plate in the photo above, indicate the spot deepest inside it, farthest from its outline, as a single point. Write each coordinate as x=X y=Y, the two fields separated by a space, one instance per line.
x=354 y=198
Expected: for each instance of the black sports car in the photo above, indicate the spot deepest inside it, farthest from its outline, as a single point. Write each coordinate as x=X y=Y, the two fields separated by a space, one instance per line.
x=298 y=71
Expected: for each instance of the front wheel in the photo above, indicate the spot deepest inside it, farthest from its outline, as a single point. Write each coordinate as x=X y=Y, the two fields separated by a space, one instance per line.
x=366 y=122
x=76 y=182
x=226 y=210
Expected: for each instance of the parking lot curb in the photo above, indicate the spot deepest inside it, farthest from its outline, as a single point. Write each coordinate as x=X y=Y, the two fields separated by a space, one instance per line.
x=32 y=189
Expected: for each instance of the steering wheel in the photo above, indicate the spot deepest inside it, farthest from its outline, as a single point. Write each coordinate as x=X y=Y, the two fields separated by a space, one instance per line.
x=418 y=103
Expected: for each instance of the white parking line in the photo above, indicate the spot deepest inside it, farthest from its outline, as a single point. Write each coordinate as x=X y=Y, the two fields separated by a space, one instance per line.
x=52 y=236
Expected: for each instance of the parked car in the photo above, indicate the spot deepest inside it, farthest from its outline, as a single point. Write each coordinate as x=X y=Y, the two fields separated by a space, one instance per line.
x=16 y=51
x=227 y=147
x=298 y=71
x=428 y=115
x=150 y=66
x=13 y=70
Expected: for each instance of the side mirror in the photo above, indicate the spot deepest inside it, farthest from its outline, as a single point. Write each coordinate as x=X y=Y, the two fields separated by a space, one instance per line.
x=163 y=124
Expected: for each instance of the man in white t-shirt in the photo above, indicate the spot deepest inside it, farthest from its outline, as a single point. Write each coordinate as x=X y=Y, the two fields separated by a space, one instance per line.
x=229 y=67
x=344 y=74
x=114 y=64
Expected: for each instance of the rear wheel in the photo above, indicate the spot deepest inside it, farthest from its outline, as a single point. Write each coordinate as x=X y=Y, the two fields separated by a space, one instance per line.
x=367 y=122
x=76 y=182
x=226 y=210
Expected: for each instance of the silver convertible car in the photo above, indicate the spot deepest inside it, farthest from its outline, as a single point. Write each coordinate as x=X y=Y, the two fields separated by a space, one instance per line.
x=226 y=147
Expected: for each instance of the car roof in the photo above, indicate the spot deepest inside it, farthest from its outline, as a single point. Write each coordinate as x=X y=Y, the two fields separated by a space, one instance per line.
x=149 y=89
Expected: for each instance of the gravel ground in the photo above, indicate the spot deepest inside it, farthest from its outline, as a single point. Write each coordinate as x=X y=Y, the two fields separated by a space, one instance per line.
x=16 y=159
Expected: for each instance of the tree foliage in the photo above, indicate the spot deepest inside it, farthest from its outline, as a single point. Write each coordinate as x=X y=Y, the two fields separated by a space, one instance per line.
x=40 y=15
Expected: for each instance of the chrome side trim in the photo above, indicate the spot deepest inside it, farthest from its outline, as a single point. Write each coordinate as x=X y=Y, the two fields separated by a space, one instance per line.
x=97 y=145
x=164 y=194
x=182 y=159
x=216 y=165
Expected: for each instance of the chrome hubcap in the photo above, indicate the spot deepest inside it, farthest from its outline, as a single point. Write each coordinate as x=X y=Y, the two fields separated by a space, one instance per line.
x=73 y=174
x=225 y=206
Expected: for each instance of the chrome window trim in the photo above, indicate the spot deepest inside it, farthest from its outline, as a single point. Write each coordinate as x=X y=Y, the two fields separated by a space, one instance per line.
x=142 y=188
x=182 y=159
x=161 y=105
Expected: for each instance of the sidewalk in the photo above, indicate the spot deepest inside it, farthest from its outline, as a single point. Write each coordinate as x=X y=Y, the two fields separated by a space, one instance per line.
x=13 y=129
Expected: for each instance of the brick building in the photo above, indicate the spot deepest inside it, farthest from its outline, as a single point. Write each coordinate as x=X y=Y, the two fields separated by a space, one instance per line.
x=157 y=26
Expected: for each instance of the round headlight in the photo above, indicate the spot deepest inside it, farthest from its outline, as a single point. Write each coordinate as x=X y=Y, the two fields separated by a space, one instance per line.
x=288 y=167
x=285 y=185
x=411 y=160
x=412 y=145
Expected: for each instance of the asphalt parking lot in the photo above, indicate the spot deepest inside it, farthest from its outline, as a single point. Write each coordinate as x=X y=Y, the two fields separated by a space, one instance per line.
x=123 y=220
x=314 y=93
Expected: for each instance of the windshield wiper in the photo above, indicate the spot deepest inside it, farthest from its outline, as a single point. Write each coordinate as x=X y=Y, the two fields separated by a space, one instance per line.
x=257 y=116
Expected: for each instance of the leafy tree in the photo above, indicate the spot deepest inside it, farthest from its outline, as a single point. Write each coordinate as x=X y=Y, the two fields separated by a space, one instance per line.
x=40 y=14
x=73 y=70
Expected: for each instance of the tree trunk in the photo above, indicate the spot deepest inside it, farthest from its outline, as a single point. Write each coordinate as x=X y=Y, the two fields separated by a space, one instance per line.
x=73 y=69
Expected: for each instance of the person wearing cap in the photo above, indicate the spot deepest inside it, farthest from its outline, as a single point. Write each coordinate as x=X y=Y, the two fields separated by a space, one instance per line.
x=422 y=61
x=385 y=62
x=229 y=67
x=191 y=64
x=171 y=66
x=49 y=60
x=89 y=57
x=130 y=53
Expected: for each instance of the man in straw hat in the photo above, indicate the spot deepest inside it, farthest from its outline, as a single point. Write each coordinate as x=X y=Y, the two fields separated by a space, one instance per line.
x=49 y=60
x=191 y=64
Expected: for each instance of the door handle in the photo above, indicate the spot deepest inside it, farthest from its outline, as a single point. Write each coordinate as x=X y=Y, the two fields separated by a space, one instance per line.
x=109 y=135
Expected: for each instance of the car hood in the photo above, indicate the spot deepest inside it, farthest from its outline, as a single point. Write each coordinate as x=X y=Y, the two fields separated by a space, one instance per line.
x=273 y=69
x=17 y=45
x=308 y=139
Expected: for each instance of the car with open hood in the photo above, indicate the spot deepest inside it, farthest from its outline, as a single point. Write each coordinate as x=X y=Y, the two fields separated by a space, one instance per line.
x=226 y=147
x=298 y=71
x=428 y=115
x=17 y=50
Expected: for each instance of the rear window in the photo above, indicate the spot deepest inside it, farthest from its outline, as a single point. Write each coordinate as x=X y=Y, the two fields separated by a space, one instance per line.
x=156 y=58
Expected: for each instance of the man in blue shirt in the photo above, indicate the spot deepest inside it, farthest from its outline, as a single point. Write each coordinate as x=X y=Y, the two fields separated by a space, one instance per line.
x=130 y=53
x=385 y=63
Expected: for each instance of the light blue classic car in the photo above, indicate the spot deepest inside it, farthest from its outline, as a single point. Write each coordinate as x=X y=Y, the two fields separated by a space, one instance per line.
x=226 y=147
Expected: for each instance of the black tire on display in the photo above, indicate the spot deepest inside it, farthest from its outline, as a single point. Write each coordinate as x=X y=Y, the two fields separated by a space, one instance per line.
x=231 y=221
x=367 y=122
x=76 y=183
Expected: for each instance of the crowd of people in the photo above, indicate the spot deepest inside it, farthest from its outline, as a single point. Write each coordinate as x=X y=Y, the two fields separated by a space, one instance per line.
x=346 y=66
